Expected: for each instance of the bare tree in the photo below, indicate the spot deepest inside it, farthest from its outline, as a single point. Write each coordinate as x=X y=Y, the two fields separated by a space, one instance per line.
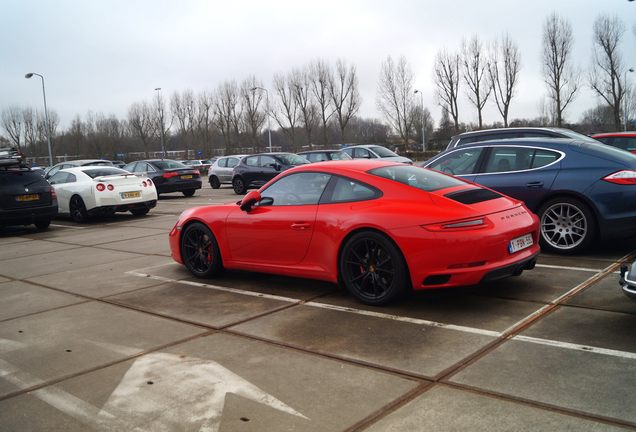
x=607 y=65
x=205 y=110
x=395 y=96
x=475 y=73
x=183 y=109
x=558 y=74
x=309 y=112
x=320 y=78
x=77 y=136
x=446 y=71
x=503 y=71
x=344 y=93
x=422 y=120
x=12 y=123
x=29 y=120
x=141 y=120
x=253 y=116
x=286 y=111
x=162 y=123
x=226 y=101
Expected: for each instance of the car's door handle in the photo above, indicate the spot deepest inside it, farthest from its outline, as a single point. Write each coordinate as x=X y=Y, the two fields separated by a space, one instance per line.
x=301 y=226
x=535 y=184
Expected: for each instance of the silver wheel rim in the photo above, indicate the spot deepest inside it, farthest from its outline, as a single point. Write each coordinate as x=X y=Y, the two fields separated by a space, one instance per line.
x=564 y=226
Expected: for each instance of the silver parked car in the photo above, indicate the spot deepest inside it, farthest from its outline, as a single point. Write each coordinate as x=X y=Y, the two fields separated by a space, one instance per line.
x=222 y=169
x=374 y=151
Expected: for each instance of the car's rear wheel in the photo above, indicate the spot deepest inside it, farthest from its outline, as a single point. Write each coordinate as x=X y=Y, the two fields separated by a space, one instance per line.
x=42 y=224
x=200 y=251
x=77 y=210
x=188 y=192
x=372 y=268
x=140 y=211
x=214 y=182
x=568 y=226
x=239 y=186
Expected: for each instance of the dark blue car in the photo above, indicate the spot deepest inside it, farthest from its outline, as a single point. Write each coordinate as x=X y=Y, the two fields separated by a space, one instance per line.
x=580 y=190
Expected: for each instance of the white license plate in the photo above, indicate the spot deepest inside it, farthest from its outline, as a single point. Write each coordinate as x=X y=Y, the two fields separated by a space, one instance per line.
x=519 y=243
x=125 y=195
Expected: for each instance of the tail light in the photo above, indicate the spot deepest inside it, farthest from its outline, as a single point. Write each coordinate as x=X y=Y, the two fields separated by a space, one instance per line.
x=196 y=172
x=168 y=175
x=100 y=187
x=149 y=182
x=470 y=224
x=53 y=194
x=144 y=183
x=624 y=177
x=110 y=187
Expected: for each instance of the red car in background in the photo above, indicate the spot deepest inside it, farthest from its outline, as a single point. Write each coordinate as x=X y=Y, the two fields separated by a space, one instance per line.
x=380 y=228
x=621 y=140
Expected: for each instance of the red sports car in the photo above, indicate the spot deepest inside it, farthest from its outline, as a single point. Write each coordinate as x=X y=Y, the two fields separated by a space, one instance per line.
x=377 y=227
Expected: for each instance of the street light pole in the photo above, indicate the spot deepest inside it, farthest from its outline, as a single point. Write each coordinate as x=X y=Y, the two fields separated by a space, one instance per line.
x=625 y=95
x=159 y=101
x=423 y=125
x=46 y=116
x=269 y=125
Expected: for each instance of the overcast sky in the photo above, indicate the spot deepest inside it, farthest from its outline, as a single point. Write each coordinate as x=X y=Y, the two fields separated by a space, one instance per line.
x=104 y=55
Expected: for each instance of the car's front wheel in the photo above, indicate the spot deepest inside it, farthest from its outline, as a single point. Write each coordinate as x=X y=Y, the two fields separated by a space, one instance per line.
x=214 y=182
x=239 y=186
x=372 y=268
x=77 y=210
x=568 y=226
x=200 y=251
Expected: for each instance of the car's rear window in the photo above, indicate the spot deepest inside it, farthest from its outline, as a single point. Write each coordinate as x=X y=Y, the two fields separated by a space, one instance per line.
x=168 y=164
x=420 y=178
x=103 y=172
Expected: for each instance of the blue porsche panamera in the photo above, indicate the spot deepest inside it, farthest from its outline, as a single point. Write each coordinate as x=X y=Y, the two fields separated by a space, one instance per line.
x=581 y=191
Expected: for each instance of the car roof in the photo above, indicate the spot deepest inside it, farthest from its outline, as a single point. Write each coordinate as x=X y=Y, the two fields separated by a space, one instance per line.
x=87 y=168
x=351 y=165
x=508 y=130
x=319 y=151
x=614 y=134
x=80 y=162
x=365 y=146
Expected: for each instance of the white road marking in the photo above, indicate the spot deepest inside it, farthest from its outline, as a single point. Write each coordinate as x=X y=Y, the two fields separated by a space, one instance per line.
x=8 y=345
x=576 y=347
x=583 y=269
x=400 y=318
x=68 y=226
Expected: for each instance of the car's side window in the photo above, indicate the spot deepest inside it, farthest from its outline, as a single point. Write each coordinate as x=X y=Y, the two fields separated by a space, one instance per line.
x=223 y=162
x=458 y=162
x=347 y=190
x=61 y=178
x=251 y=161
x=297 y=189
x=268 y=162
x=71 y=178
x=361 y=153
x=625 y=143
x=53 y=171
x=232 y=162
x=544 y=157
x=348 y=151
x=317 y=157
x=149 y=168
x=130 y=167
x=505 y=159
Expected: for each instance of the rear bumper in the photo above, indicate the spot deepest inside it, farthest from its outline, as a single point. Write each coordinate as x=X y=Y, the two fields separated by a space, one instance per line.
x=178 y=187
x=125 y=207
x=27 y=216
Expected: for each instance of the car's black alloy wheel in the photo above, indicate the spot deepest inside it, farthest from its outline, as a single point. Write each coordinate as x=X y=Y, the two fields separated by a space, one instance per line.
x=78 y=210
x=199 y=251
x=214 y=182
x=372 y=268
x=239 y=186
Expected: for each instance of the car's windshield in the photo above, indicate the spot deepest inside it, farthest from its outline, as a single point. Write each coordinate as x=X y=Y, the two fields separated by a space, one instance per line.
x=420 y=178
x=168 y=164
x=103 y=172
x=382 y=151
x=292 y=159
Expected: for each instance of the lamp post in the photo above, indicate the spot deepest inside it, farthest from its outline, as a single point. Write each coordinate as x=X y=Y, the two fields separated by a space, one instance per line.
x=423 y=126
x=625 y=95
x=46 y=116
x=160 y=108
x=269 y=126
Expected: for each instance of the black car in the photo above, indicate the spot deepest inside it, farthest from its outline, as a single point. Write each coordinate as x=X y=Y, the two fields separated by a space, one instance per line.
x=25 y=196
x=168 y=175
x=324 y=155
x=256 y=170
x=514 y=132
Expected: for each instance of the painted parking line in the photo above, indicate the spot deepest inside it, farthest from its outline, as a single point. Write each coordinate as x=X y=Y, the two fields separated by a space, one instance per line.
x=558 y=267
x=417 y=321
x=67 y=226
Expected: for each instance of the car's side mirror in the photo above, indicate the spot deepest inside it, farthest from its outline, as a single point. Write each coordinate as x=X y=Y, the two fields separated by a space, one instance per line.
x=249 y=200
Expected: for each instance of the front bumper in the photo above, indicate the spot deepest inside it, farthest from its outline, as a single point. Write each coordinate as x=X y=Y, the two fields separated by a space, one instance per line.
x=628 y=280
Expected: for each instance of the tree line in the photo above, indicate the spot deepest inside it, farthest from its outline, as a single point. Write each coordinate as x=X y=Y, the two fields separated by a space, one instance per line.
x=317 y=104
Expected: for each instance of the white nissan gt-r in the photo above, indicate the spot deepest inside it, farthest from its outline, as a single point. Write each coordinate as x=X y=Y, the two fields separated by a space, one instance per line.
x=101 y=190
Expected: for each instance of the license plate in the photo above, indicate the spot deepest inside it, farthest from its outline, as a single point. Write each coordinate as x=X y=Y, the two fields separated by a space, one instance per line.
x=130 y=194
x=29 y=197
x=519 y=243
x=186 y=177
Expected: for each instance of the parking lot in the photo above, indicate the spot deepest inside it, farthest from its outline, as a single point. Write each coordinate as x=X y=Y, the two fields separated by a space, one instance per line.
x=101 y=330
